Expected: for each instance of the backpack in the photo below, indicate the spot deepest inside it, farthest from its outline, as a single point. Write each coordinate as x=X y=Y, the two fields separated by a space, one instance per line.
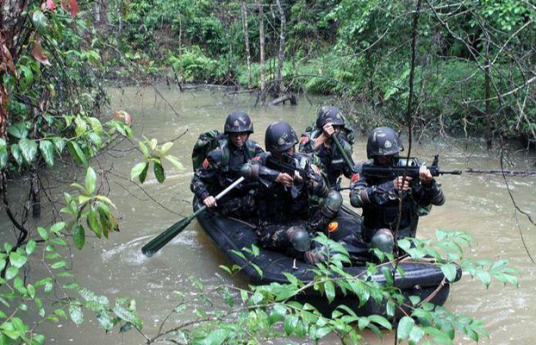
x=206 y=142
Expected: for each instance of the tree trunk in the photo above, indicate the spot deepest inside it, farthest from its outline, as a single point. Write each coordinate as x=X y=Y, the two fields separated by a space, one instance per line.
x=281 y=47
x=246 y=38
x=489 y=143
x=262 y=44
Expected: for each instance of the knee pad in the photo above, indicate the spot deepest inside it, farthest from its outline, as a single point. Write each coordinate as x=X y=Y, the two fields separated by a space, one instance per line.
x=383 y=239
x=299 y=238
x=332 y=205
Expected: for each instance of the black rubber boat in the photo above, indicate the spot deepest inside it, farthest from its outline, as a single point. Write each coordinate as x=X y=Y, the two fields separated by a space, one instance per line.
x=421 y=278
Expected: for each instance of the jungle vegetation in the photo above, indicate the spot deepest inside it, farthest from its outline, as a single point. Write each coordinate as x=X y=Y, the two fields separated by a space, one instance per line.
x=439 y=66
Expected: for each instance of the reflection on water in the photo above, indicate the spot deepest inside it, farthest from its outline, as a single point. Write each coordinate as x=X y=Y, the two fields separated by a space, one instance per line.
x=115 y=267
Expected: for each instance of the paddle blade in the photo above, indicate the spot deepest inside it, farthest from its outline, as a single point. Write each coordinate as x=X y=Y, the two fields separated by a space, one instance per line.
x=161 y=240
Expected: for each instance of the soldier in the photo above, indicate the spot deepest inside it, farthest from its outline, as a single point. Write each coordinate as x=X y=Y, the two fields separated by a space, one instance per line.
x=330 y=122
x=379 y=197
x=222 y=167
x=288 y=181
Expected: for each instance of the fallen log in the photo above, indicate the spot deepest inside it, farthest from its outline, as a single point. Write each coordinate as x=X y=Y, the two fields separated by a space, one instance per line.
x=287 y=97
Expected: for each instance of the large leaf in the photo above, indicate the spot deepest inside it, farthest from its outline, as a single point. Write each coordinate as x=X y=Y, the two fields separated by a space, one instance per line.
x=175 y=162
x=47 y=152
x=28 y=148
x=16 y=154
x=91 y=180
x=449 y=270
x=138 y=169
x=405 y=325
x=95 y=125
x=18 y=130
x=93 y=222
x=40 y=22
x=79 y=236
x=3 y=153
x=59 y=142
x=77 y=153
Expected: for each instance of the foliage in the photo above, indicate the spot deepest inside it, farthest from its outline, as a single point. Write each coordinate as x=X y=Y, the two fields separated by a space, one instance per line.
x=25 y=300
x=259 y=313
x=153 y=153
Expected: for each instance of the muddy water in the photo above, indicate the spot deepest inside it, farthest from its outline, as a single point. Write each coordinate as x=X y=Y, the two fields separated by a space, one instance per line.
x=479 y=205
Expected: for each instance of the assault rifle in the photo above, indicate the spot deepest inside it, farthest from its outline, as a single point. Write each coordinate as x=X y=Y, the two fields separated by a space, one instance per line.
x=401 y=166
x=288 y=168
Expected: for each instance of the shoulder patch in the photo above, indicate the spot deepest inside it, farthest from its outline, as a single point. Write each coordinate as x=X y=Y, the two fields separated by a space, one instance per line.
x=256 y=158
x=206 y=164
x=355 y=177
x=304 y=139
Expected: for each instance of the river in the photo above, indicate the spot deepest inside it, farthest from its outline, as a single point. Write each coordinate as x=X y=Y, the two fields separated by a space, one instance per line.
x=478 y=204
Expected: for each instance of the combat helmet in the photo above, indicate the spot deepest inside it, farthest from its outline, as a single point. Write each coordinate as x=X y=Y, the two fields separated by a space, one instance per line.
x=383 y=141
x=280 y=137
x=329 y=114
x=237 y=122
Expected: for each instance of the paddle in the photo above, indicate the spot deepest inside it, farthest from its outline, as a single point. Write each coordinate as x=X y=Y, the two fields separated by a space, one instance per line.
x=161 y=240
x=341 y=150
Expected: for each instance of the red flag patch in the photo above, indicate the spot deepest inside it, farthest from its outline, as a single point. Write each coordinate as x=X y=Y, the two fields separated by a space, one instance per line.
x=206 y=164
x=355 y=177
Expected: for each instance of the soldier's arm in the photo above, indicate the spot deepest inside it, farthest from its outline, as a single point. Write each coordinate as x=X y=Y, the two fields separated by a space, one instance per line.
x=363 y=193
x=317 y=184
x=256 y=170
x=306 y=145
x=348 y=172
x=432 y=194
x=206 y=174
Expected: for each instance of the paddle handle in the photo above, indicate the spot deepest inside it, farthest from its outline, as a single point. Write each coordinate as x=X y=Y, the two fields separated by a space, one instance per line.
x=161 y=240
x=341 y=150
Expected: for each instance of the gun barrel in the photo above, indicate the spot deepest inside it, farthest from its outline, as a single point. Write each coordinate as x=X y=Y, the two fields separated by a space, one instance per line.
x=451 y=172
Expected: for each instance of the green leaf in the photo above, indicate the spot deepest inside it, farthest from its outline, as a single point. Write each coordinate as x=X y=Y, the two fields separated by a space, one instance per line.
x=31 y=290
x=59 y=143
x=79 y=236
x=17 y=155
x=216 y=337
x=43 y=233
x=91 y=180
x=405 y=325
x=484 y=277
x=11 y=272
x=175 y=162
x=165 y=148
x=77 y=153
x=58 y=264
x=81 y=126
x=57 y=227
x=159 y=172
x=95 y=125
x=330 y=291
x=127 y=315
x=290 y=323
x=138 y=170
x=449 y=270
x=3 y=153
x=47 y=152
x=144 y=150
x=153 y=143
x=380 y=321
x=28 y=148
x=40 y=22
x=18 y=130
x=76 y=314
x=17 y=259
x=30 y=247
x=415 y=335
x=93 y=222
x=95 y=139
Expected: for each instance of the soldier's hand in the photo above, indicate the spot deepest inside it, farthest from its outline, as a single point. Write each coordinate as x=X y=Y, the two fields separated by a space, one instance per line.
x=210 y=201
x=285 y=179
x=328 y=129
x=297 y=177
x=398 y=183
x=425 y=175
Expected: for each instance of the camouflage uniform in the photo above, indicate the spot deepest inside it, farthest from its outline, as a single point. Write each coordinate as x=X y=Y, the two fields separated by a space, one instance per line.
x=222 y=167
x=281 y=209
x=379 y=199
x=331 y=159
